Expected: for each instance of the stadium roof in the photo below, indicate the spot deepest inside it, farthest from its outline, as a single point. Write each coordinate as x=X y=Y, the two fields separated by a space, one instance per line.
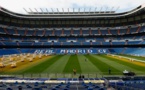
x=95 y=14
x=57 y=5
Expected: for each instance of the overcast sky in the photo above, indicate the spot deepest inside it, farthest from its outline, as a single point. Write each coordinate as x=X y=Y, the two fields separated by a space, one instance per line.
x=18 y=5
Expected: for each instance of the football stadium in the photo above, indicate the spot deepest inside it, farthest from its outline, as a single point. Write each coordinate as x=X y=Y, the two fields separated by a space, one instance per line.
x=77 y=50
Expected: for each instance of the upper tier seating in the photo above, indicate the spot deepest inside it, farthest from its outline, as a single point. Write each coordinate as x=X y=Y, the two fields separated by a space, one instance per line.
x=73 y=31
x=4 y=41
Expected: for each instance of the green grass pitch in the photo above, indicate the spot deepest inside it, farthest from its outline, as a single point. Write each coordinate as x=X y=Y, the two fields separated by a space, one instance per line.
x=94 y=64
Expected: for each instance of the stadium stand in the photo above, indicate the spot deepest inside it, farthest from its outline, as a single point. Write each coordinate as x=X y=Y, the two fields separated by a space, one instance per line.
x=80 y=33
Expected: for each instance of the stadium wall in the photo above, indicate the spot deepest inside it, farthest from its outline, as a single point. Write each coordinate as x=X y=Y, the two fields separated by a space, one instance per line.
x=133 y=51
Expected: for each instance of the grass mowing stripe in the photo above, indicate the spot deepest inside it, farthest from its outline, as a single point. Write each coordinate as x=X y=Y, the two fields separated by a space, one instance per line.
x=129 y=64
x=58 y=66
x=72 y=63
x=114 y=64
x=42 y=66
x=103 y=67
x=86 y=65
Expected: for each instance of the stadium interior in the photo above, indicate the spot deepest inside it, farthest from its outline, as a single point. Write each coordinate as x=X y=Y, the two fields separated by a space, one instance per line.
x=32 y=38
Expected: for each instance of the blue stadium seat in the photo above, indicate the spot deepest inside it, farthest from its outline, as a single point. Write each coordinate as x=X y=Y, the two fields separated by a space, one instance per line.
x=106 y=43
x=85 y=32
x=10 y=43
x=67 y=32
x=2 y=30
x=47 y=43
x=37 y=44
x=96 y=43
x=48 y=32
x=67 y=43
x=56 y=43
x=76 y=43
x=11 y=31
x=62 y=39
x=133 y=30
x=77 y=32
x=122 y=31
x=114 y=31
x=30 y=32
x=118 y=43
x=80 y=39
x=142 y=29
x=39 y=32
x=133 y=42
x=86 y=43
x=104 y=32
x=94 y=32
x=58 y=32
x=21 y=32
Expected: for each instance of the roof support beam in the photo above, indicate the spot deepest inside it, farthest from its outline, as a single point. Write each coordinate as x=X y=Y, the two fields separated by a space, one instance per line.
x=36 y=10
x=30 y=10
x=79 y=10
x=106 y=9
x=25 y=10
x=100 y=10
x=63 y=10
x=41 y=10
x=90 y=10
x=58 y=10
x=111 y=9
x=117 y=9
x=52 y=10
x=95 y=9
x=68 y=10
x=47 y=10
